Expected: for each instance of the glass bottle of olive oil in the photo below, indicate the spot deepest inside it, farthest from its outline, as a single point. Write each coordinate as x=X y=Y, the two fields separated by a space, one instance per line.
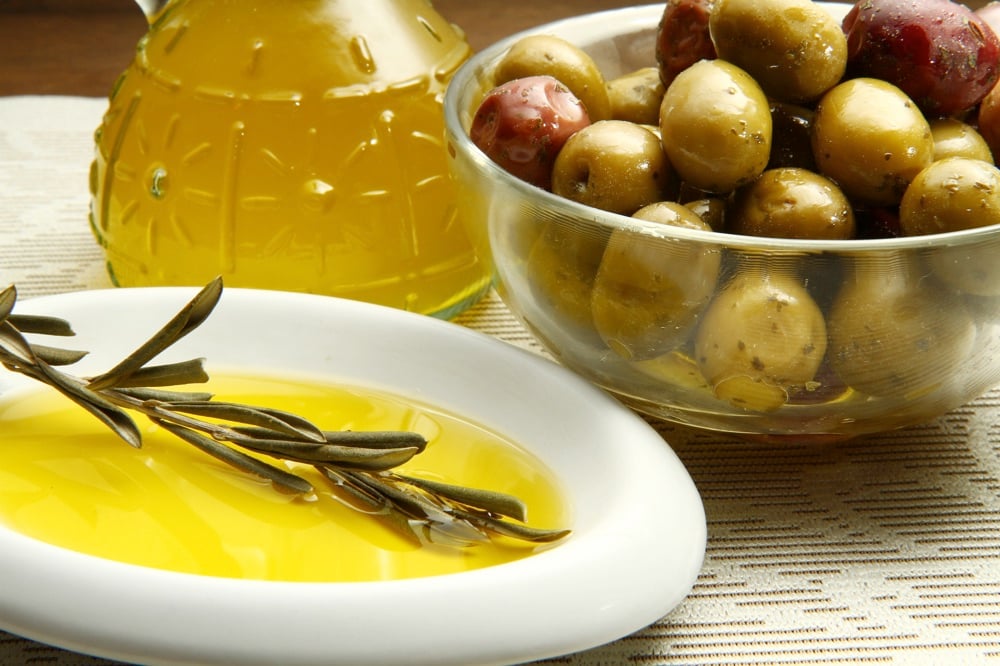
x=287 y=144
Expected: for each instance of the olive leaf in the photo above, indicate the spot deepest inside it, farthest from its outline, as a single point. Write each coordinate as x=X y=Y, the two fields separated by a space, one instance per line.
x=41 y=324
x=14 y=349
x=185 y=321
x=347 y=457
x=425 y=510
x=273 y=420
x=35 y=324
x=240 y=460
x=146 y=394
x=487 y=500
x=513 y=530
x=18 y=355
x=375 y=439
x=8 y=297
x=57 y=356
x=170 y=374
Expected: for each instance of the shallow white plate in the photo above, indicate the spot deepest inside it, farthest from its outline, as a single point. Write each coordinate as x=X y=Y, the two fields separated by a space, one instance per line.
x=638 y=523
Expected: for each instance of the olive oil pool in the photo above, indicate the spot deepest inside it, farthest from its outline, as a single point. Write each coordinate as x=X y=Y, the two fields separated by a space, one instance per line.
x=65 y=479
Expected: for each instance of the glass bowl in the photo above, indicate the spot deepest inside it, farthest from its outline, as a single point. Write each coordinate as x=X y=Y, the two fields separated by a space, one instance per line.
x=765 y=338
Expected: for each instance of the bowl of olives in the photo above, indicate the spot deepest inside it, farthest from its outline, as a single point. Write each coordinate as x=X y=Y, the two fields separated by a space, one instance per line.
x=773 y=218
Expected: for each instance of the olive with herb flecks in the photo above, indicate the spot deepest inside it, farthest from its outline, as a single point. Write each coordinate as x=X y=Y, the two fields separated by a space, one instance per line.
x=794 y=49
x=636 y=96
x=792 y=203
x=953 y=194
x=560 y=270
x=894 y=332
x=950 y=195
x=716 y=128
x=762 y=336
x=871 y=139
x=613 y=165
x=649 y=291
x=954 y=138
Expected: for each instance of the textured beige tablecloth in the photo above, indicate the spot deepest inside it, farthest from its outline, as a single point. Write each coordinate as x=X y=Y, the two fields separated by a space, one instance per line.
x=882 y=550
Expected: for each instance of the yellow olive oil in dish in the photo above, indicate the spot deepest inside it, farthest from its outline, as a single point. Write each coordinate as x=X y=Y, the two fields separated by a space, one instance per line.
x=67 y=480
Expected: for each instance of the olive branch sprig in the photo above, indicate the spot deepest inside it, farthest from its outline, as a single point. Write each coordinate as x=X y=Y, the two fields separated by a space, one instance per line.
x=359 y=465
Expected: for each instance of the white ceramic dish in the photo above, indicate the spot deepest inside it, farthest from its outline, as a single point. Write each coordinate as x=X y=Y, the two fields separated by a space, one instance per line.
x=638 y=523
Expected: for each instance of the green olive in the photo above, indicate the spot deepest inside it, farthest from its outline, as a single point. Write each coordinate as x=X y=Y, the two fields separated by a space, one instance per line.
x=636 y=96
x=894 y=332
x=792 y=203
x=536 y=55
x=560 y=270
x=971 y=268
x=649 y=291
x=613 y=165
x=953 y=138
x=950 y=195
x=715 y=124
x=871 y=139
x=795 y=49
x=761 y=337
